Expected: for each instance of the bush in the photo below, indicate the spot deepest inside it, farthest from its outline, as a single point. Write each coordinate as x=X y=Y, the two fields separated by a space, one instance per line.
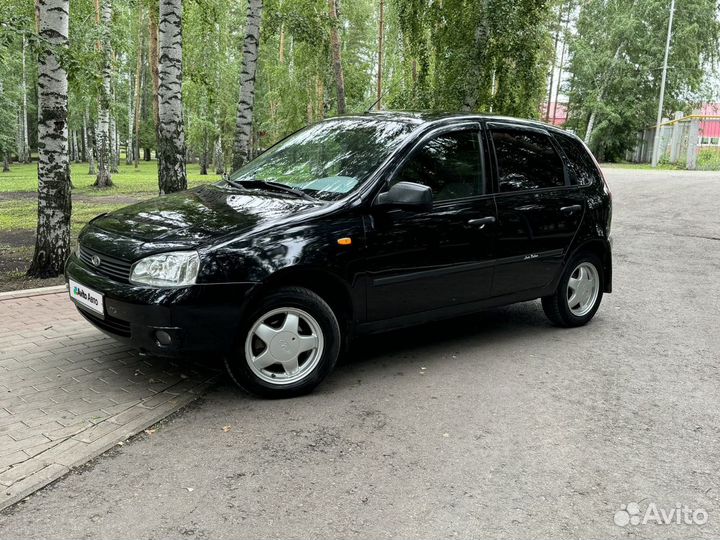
x=709 y=159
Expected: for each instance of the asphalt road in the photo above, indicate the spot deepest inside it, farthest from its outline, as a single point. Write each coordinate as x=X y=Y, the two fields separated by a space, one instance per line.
x=496 y=425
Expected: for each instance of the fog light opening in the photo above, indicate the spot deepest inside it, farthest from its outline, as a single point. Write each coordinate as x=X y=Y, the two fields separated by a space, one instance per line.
x=163 y=338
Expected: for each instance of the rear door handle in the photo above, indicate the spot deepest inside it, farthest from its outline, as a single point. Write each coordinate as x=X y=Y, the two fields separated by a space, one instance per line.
x=571 y=209
x=481 y=222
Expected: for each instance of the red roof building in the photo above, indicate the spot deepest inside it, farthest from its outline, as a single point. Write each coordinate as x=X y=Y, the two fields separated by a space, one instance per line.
x=710 y=127
x=558 y=113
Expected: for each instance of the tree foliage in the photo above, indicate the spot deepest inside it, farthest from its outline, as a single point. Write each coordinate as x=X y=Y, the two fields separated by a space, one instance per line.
x=616 y=61
x=478 y=55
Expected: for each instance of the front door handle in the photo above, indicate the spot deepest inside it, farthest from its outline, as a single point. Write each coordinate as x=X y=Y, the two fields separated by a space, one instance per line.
x=571 y=209
x=481 y=222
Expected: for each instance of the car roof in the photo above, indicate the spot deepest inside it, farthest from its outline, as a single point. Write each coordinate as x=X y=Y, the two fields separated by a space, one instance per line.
x=427 y=118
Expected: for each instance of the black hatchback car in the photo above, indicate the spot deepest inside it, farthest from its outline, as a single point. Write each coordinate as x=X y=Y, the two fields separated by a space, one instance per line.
x=352 y=225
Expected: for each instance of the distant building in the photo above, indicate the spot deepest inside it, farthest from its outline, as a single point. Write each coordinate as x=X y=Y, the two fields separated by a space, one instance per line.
x=684 y=139
x=558 y=113
x=710 y=127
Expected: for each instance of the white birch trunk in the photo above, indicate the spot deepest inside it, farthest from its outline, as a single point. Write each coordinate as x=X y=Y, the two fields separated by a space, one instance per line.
x=136 y=119
x=52 y=243
x=336 y=48
x=76 y=147
x=114 y=143
x=129 y=142
x=103 y=133
x=172 y=175
x=137 y=106
x=84 y=139
x=589 y=128
x=18 y=135
x=204 y=155
x=90 y=145
x=246 y=103
x=25 y=157
x=601 y=94
x=219 y=156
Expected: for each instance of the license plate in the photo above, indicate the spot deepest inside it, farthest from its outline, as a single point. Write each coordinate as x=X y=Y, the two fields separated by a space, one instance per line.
x=86 y=297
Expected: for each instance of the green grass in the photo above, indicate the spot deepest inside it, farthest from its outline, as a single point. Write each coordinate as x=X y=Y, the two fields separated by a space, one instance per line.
x=22 y=214
x=140 y=183
x=18 y=209
x=128 y=181
x=641 y=166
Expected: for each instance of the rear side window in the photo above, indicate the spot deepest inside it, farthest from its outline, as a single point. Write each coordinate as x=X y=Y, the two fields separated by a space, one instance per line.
x=526 y=160
x=581 y=164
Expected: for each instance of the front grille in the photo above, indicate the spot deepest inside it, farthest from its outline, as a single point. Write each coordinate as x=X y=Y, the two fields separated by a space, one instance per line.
x=109 y=324
x=111 y=267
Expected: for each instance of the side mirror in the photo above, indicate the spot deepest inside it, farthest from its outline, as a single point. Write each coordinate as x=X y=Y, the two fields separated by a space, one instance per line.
x=407 y=196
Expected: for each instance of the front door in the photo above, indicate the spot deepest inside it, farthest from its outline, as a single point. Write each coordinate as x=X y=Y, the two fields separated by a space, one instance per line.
x=538 y=211
x=420 y=261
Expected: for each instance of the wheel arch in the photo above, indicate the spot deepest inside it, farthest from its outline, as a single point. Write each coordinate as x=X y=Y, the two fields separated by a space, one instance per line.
x=603 y=250
x=328 y=286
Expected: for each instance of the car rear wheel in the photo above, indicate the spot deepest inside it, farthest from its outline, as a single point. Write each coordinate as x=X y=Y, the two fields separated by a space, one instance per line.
x=287 y=345
x=579 y=292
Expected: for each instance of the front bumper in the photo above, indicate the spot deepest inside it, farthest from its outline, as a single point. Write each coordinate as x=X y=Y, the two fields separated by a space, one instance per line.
x=200 y=318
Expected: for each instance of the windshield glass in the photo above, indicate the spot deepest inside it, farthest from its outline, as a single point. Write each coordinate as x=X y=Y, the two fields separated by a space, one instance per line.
x=327 y=160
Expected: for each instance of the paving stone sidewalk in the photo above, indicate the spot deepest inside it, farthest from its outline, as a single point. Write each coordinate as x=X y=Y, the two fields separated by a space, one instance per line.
x=69 y=393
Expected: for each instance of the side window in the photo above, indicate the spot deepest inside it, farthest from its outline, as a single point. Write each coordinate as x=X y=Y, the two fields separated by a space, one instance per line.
x=526 y=160
x=449 y=164
x=584 y=170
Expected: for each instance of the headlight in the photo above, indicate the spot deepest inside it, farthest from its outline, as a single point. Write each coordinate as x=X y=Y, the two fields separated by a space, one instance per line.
x=172 y=269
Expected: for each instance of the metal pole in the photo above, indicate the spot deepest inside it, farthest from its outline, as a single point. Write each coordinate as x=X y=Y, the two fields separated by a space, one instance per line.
x=656 y=142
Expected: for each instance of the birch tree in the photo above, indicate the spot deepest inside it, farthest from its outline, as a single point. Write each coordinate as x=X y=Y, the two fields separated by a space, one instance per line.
x=103 y=134
x=171 y=131
x=246 y=103
x=137 y=106
x=25 y=153
x=130 y=117
x=337 y=56
x=52 y=244
x=89 y=130
x=154 y=54
x=114 y=146
x=8 y=118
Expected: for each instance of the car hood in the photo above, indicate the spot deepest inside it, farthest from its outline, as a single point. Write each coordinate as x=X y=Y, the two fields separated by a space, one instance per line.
x=195 y=216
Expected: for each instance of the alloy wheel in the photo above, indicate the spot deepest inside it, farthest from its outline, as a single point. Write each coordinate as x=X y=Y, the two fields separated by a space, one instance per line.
x=284 y=345
x=583 y=288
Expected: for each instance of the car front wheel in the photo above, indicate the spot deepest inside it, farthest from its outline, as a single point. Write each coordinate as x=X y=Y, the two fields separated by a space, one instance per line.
x=288 y=345
x=579 y=292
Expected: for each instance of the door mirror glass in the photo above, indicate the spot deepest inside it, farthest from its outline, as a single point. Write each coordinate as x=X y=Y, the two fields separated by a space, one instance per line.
x=407 y=196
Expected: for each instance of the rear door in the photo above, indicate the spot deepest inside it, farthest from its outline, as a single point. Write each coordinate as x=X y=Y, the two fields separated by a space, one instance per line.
x=421 y=261
x=539 y=211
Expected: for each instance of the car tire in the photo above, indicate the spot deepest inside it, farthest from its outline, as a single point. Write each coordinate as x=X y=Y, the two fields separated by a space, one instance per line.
x=578 y=294
x=287 y=345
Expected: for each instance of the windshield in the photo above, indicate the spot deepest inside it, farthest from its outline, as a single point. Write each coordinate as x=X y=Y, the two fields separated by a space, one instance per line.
x=327 y=160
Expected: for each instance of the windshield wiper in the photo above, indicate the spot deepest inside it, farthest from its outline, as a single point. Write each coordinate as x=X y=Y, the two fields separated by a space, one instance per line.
x=269 y=184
